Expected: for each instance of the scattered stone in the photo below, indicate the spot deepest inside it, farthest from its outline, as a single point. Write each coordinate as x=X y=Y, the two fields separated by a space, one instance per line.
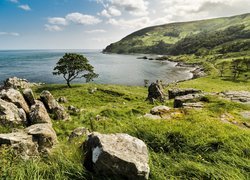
x=73 y=109
x=119 y=156
x=155 y=92
x=53 y=107
x=11 y=115
x=190 y=98
x=151 y=116
x=29 y=96
x=143 y=57
x=172 y=93
x=245 y=114
x=44 y=135
x=160 y=110
x=92 y=90
x=237 y=96
x=39 y=114
x=78 y=132
x=197 y=105
x=15 y=97
x=21 y=142
x=62 y=100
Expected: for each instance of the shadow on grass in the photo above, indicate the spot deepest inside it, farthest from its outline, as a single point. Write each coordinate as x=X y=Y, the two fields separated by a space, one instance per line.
x=230 y=79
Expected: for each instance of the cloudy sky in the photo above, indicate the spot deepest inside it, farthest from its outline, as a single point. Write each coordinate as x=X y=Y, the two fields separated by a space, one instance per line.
x=93 y=24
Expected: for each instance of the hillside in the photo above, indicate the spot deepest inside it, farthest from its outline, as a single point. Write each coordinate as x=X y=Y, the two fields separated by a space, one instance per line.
x=220 y=35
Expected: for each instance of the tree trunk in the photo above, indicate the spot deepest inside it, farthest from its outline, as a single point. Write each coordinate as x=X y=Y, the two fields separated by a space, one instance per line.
x=68 y=83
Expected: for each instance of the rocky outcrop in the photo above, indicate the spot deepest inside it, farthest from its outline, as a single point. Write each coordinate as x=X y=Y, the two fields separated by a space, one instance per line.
x=44 y=135
x=159 y=110
x=119 y=156
x=155 y=92
x=11 y=115
x=15 y=97
x=190 y=98
x=21 y=142
x=237 y=96
x=172 y=93
x=53 y=107
x=29 y=96
x=18 y=83
x=78 y=132
x=39 y=114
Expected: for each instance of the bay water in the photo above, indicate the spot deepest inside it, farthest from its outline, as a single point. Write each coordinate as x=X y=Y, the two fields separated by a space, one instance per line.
x=37 y=66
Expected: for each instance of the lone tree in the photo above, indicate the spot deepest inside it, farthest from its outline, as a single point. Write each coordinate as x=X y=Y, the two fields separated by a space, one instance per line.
x=73 y=66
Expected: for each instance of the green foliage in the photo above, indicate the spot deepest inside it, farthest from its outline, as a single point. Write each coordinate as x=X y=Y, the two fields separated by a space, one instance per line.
x=73 y=66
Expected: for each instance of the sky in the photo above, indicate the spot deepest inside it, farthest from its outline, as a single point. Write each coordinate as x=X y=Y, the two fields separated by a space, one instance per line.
x=94 y=24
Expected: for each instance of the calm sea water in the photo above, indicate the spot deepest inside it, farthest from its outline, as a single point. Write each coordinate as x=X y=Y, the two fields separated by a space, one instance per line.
x=37 y=66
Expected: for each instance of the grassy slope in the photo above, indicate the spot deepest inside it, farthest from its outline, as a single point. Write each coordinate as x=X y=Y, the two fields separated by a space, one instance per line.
x=194 y=144
x=152 y=35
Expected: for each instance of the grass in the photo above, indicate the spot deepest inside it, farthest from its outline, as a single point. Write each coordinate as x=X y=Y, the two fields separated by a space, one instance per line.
x=196 y=145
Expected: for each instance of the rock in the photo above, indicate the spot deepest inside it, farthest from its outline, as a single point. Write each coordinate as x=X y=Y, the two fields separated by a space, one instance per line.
x=245 y=114
x=155 y=92
x=15 y=97
x=119 y=156
x=151 y=116
x=159 y=110
x=62 y=100
x=73 y=109
x=16 y=83
x=197 y=105
x=92 y=90
x=21 y=142
x=190 y=98
x=53 y=107
x=29 y=96
x=198 y=72
x=237 y=96
x=78 y=132
x=44 y=135
x=11 y=115
x=39 y=114
x=172 y=93
x=60 y=113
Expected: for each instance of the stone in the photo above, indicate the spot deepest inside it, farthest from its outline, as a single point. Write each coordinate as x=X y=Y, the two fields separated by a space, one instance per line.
x=44 y=135
x=172 y=93
x=15 y=97
x=151 y=116
x=29 y=96
x=159 y=110
x=237 y=96
x=245 y=114
x=190 y=98
x=16 y=83
x=73 y=109
x=11 y=115
x=21 y=142
x=78 y=132
x=197 y=105
x=53 y=107
x=62 y=100
x=119 y=156
x=155 y=92
x=38 y=114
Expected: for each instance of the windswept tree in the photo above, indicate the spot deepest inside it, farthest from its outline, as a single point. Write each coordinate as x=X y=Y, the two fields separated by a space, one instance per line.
x=73 y=66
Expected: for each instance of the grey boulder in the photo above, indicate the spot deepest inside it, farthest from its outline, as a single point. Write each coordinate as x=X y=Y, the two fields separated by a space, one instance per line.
x=39 y=114
x=118 y=156
x=29 y=96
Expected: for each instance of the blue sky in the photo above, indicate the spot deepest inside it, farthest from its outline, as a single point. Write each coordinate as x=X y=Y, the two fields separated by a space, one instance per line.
x=93 y=24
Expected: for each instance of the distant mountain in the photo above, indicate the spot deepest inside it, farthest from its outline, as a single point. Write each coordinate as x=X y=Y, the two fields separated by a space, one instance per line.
x=220 y=35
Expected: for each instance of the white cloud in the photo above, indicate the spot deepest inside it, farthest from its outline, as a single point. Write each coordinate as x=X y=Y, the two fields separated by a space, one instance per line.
x=83 y=19
x=100 y=40
x=52 y=28
x=14 y=1
x=58 y=21
x=133 y=23
x=96 y=31
x=25 y=7
x=9 y=34
x=110 y=11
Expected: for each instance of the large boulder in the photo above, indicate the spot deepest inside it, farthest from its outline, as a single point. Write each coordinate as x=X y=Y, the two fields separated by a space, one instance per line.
x=21 y=142
x=11 y=115
x=29 y=96
x=53 y=107
x=119 y=156
x=16 y=83
x=44 y=135
x=180 y=101
x=172 y=93
x=155 y=92
x=15 y=97
x=38 y=114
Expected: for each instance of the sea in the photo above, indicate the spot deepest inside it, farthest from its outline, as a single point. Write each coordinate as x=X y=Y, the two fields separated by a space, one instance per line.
x=38 y=65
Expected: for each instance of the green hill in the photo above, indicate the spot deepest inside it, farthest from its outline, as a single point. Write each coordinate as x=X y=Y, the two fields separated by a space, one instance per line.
x=220 y=35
